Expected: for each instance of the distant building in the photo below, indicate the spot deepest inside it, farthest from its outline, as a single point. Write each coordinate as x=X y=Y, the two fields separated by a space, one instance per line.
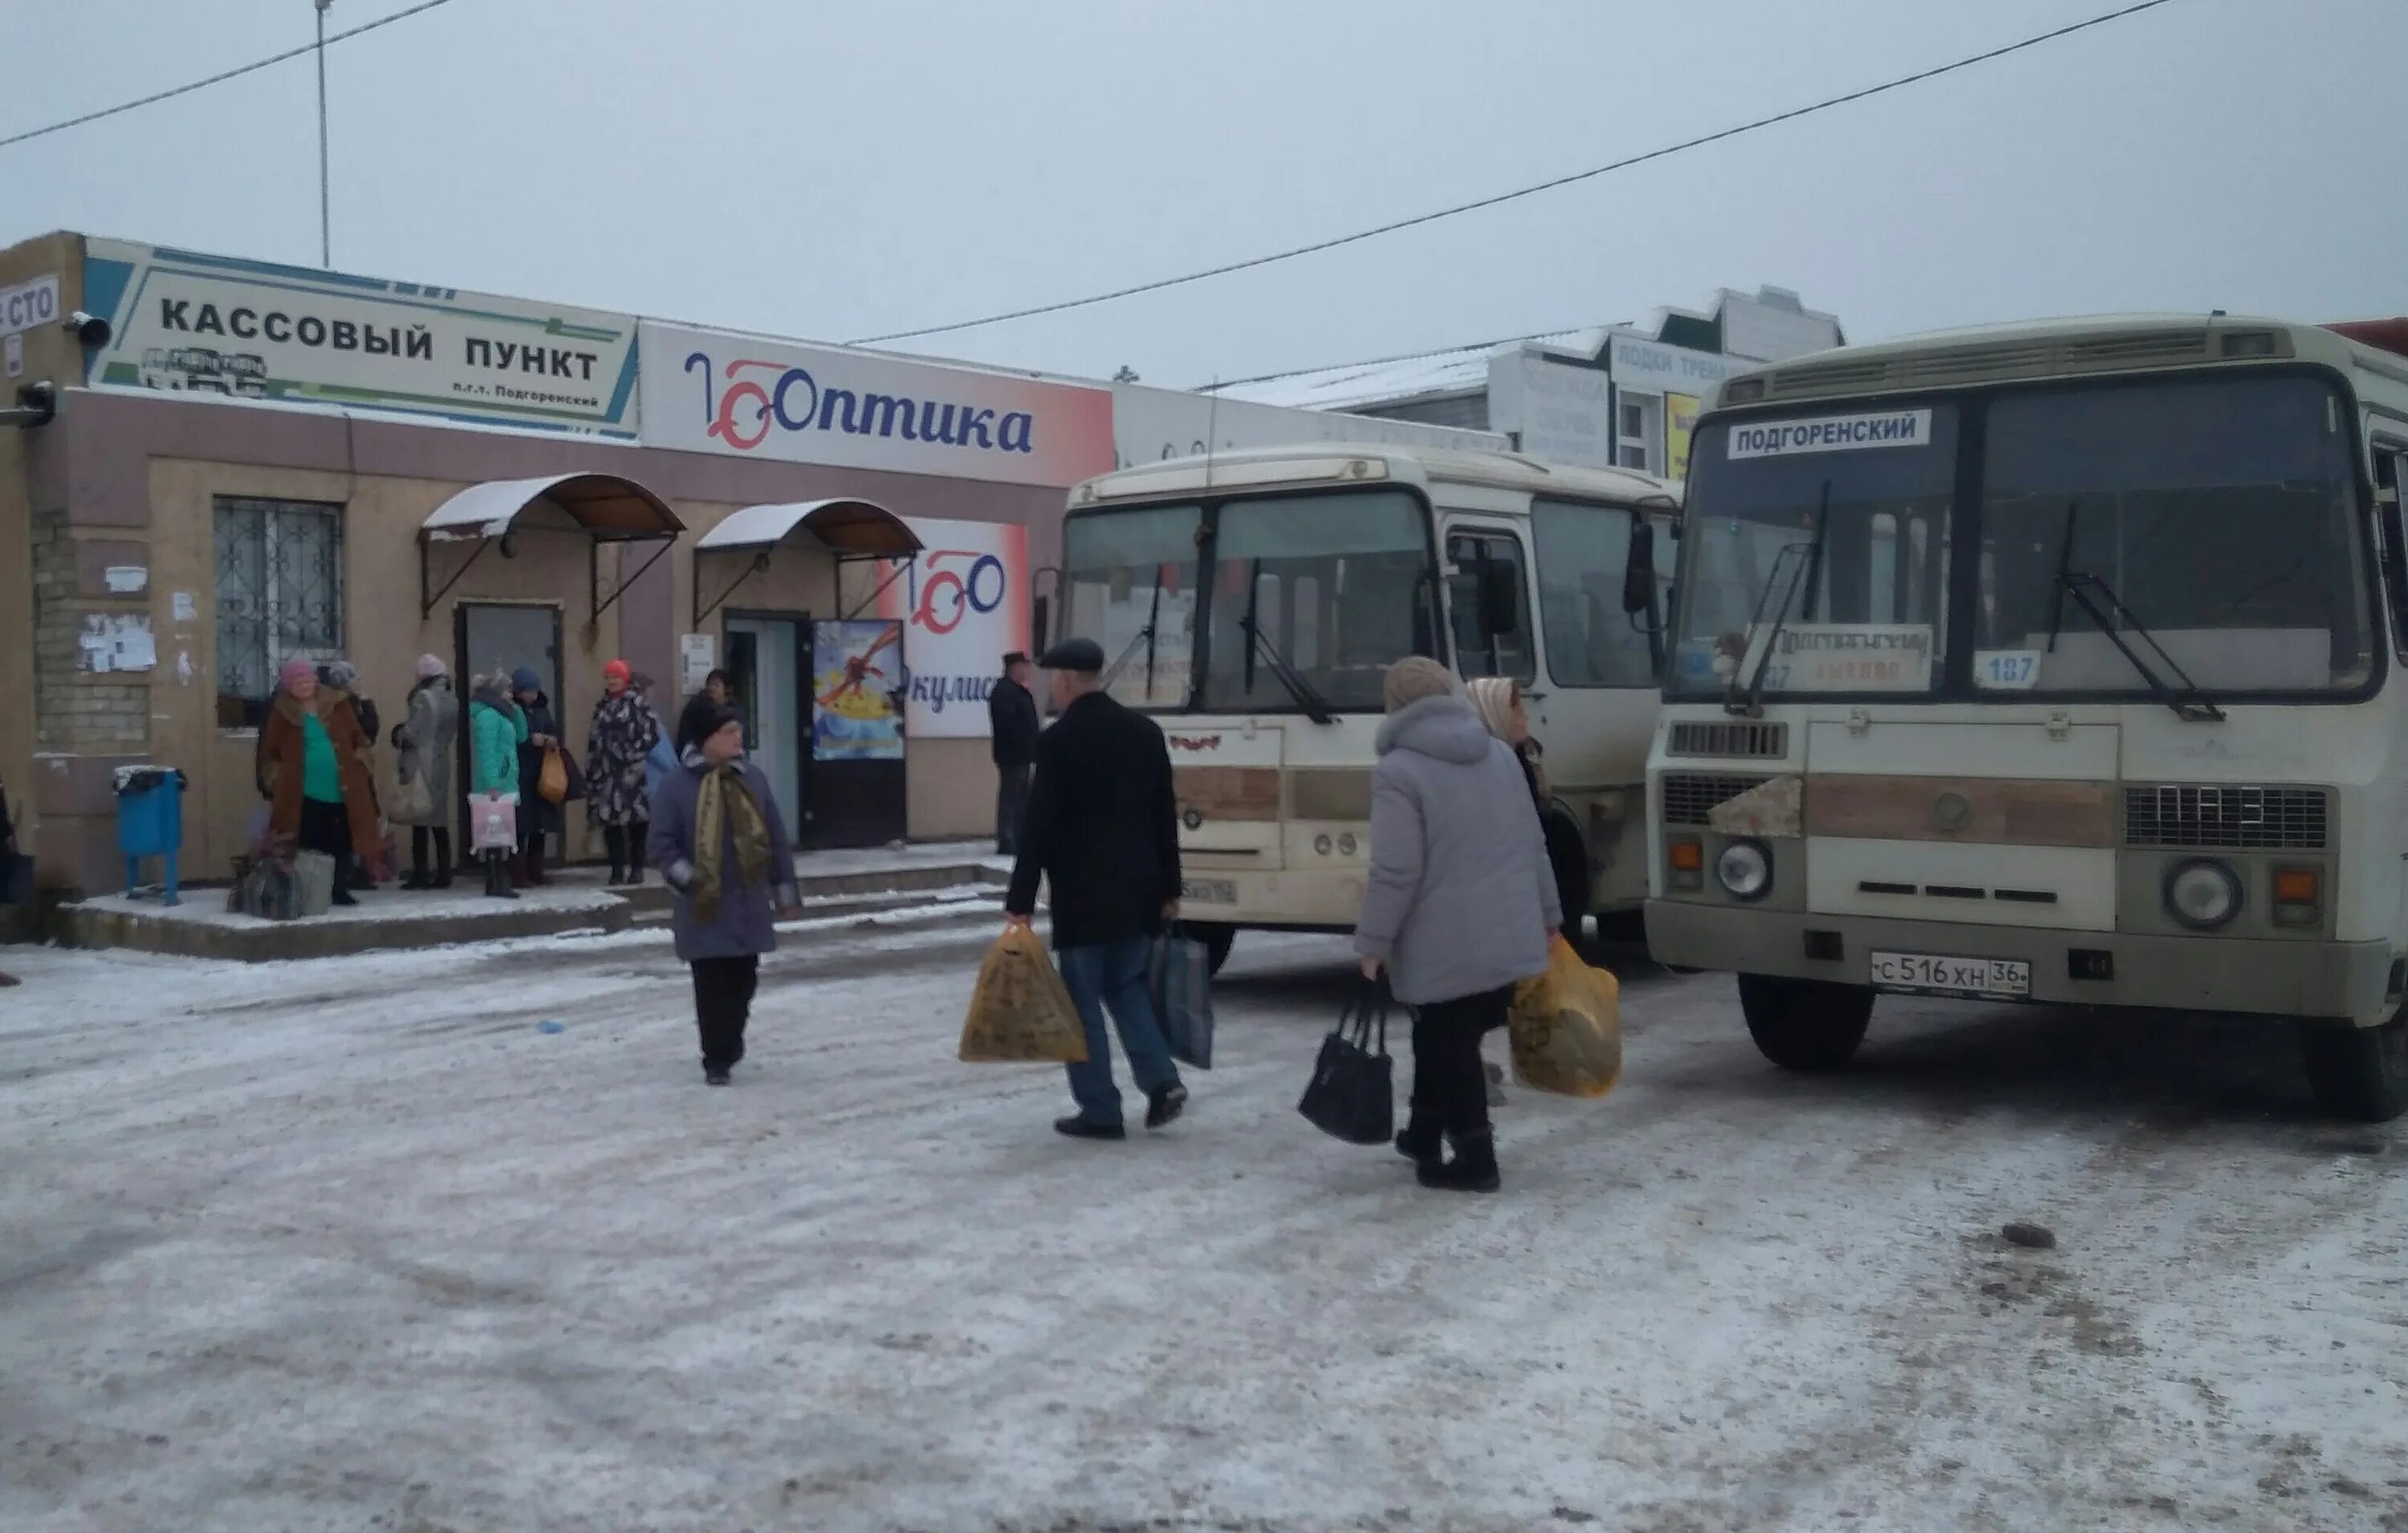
x=1611 y=397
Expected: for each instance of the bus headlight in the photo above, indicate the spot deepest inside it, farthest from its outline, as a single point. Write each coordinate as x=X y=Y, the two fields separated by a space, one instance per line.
x=2202 y=894
x=1744 y=868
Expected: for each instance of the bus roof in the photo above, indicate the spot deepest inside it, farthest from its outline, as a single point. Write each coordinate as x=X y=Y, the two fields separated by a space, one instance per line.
x=2107 y=343
x=1309 y=465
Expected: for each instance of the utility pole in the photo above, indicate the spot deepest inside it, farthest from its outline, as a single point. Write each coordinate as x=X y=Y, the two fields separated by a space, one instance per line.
x=325 y=204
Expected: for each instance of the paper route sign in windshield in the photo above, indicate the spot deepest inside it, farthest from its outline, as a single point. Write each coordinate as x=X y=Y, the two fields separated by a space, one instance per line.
x=1831 y=434
x=1848 y=657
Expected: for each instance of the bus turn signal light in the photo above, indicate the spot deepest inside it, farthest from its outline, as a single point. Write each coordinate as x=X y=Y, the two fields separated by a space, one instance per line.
x=1686 y=857
x=2298 y=893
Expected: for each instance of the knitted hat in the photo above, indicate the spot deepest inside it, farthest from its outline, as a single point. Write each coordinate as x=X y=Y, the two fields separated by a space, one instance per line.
x=1413 y=679
x=523 y=680
x=431 y=667
x=296 y=671
x=616 y=670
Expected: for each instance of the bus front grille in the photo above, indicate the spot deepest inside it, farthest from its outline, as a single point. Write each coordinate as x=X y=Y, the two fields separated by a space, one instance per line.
x=2226 y=819
x=1737 y=738
x=1690 y=797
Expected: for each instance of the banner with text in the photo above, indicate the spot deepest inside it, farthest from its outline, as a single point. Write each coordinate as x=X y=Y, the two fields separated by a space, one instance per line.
x=713 y=392
x=250 y=330
x=964 y=606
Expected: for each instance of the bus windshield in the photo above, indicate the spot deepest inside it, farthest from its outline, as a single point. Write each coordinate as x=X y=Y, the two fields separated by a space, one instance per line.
x=2205 y=524
x=2169 y=539
x=1816 y=558
x=1326 y=590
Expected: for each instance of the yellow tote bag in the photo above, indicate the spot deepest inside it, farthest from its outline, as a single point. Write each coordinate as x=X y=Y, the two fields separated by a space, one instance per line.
x=1566 y=1027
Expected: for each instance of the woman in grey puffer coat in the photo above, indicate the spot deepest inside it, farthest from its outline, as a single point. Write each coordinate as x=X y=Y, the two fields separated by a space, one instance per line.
x=1457 y=910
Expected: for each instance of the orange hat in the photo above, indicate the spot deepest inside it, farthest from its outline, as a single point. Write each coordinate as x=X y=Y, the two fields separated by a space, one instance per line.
x=617 y=671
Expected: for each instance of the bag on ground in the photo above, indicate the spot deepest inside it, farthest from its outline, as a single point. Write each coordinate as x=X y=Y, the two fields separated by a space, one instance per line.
x=1182 y=976
x=1351 y=1096
x=1021 y=1012
x=553 y=783
x=313 y=883
x=494 y=823
x=267 y=890
x=1566 y=1027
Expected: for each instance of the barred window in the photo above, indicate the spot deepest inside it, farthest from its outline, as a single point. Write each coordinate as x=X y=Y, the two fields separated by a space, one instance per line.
x=280 y=594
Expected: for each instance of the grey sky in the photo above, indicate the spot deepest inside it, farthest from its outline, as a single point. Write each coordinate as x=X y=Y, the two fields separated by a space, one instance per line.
x=833 y=170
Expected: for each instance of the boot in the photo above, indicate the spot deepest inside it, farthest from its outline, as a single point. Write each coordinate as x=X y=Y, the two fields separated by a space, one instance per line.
x=442 y=878
x=1473 y=1169
x=1420 y=1143
x=517 y=870
x=497 y=880
x=416 y=880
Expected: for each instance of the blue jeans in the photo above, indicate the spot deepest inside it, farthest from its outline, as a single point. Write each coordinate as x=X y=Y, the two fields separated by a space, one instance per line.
x=1112 y=975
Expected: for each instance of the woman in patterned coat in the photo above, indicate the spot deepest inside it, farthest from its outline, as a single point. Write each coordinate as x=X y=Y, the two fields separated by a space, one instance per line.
x=624 y=733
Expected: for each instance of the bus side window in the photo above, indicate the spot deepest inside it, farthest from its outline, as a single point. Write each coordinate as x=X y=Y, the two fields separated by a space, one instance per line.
x=1481 y=650
x=2390 y=480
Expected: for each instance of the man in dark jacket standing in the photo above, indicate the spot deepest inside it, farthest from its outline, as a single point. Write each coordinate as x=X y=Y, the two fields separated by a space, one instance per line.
x=1102 y=828
x=1011 y=717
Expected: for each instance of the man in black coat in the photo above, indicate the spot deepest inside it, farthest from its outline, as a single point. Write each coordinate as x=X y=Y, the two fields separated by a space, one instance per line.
x=1012 y=718
x=1102 y=828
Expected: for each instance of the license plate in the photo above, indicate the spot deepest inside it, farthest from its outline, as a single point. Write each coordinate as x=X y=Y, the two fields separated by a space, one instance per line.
x=1208 y=891
x=1936 y=974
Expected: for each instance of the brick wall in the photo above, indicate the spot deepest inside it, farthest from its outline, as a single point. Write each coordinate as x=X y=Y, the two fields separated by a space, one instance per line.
x=73 y=710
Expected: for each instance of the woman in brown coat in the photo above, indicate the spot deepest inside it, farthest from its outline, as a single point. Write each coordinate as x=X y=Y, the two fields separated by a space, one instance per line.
x=314 y=765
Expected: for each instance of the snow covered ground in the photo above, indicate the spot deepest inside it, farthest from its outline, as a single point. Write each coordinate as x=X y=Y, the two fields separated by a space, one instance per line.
x=351 y=1244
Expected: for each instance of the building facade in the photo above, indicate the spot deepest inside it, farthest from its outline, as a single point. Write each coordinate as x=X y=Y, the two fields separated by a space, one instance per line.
x=236 y=463
x=1613 y=396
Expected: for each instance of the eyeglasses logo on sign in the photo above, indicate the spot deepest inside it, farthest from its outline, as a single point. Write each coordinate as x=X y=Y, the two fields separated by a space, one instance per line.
x=754 y=398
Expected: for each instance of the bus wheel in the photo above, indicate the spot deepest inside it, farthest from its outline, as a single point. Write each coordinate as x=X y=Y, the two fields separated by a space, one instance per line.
x=1217 y=938
x=1804 y=1024
x=2361 y=1073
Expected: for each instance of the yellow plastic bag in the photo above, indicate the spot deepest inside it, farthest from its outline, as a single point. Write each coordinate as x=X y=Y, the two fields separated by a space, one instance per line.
x=1021 y=1012
x=1566 y=1027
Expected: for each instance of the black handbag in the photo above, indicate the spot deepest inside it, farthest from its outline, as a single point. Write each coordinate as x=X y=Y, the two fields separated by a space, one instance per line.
x=1351 y=1096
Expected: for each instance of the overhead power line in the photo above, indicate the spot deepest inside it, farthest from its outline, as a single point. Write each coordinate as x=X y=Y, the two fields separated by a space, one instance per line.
x=219 y=80
x=1533 y=189
x=1227 y=383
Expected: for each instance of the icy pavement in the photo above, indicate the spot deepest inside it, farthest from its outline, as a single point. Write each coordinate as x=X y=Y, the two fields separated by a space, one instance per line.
x=351 y=1244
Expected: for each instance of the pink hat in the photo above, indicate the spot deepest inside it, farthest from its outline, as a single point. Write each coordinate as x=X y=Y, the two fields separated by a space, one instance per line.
x=296 y=669
x=430 y=666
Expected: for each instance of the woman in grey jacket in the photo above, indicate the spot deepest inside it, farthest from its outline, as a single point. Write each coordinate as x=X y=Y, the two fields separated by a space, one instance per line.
x=1457 y=910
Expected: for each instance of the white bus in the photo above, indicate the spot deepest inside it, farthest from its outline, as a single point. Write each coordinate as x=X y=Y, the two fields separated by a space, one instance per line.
x=2054 y=662
x=1252 y=601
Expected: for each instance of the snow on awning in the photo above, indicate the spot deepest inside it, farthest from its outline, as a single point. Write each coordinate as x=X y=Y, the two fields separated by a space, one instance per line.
x=858 y=529
x=604 y=506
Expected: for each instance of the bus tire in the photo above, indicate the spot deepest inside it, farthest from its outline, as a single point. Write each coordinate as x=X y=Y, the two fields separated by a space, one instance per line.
x=2358 y=1073
x=1810 y=1025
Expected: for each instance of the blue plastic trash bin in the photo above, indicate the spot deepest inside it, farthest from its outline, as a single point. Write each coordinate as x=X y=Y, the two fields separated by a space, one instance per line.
x=151 y=824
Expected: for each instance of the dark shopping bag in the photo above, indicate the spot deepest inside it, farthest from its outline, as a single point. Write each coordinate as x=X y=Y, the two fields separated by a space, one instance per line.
x=1351 y=1096
x=1181 y=973
x=16 y=879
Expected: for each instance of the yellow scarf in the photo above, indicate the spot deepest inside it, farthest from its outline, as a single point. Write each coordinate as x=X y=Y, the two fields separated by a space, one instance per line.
x=723 y=800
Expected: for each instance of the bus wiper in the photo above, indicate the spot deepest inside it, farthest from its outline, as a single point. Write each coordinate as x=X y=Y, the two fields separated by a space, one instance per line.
x=1810 y=563
x=1315 y=706
x=2186 y=702
x=1144 y=637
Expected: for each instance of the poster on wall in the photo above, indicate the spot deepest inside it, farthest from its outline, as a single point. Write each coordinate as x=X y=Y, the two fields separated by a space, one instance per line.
x=250 y=330
x=964 y=606
x=856 y=669
x=1680 y=425
x=710 y=391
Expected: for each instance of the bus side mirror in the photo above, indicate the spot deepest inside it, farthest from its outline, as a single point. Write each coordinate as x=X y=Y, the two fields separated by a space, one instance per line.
x=1039 y=611
x=1639 y=571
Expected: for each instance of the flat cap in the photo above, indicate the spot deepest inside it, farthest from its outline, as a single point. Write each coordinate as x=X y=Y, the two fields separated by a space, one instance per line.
x=1083 y=655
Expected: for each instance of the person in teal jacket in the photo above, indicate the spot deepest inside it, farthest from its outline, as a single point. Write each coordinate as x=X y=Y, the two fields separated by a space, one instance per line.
x=496 y=729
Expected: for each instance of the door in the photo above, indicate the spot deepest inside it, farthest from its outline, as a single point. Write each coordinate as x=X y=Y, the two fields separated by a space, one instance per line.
x=765 y=674
x=494 y=639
